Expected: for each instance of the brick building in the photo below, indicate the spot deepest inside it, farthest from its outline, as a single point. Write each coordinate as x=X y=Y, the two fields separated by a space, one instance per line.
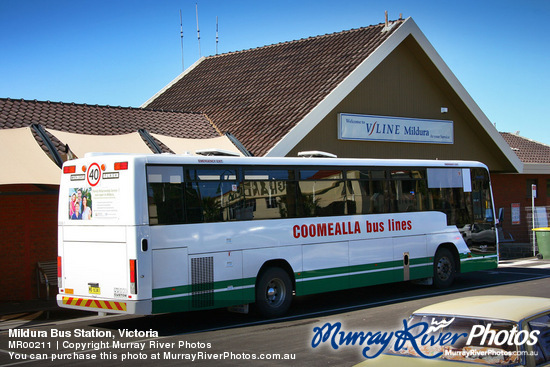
x=512 y=192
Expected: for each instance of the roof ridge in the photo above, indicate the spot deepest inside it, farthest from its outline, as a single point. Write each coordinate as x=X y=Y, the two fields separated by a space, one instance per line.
x=305 y=39
x=63 y=103
x=97 y=105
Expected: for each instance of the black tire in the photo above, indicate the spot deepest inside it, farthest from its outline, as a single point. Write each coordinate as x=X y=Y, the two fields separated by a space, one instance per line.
x=444 y=268
x=273 y=292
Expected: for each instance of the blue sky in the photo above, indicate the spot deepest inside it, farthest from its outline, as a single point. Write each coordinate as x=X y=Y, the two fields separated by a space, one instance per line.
x=123 y=52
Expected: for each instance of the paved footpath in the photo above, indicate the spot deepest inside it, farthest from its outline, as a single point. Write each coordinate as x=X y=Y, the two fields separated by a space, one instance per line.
x=530 y=263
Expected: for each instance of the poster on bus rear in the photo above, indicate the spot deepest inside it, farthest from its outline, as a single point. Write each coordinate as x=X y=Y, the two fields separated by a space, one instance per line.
x=80 y=203
x=93 y=203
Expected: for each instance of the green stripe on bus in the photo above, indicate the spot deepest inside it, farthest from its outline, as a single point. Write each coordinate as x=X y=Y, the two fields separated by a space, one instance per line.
x=343 y=270
x=476 y=263
x=204 y=301
x=171 y=291
x=372 y=275
x=220 y=285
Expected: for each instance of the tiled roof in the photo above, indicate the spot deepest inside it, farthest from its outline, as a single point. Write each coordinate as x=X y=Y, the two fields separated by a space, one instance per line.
x=527 y=150
x=103 y=120
x=259 y=95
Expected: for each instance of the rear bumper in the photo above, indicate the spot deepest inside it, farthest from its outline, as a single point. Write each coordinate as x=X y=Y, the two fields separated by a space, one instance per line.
x=142 y=307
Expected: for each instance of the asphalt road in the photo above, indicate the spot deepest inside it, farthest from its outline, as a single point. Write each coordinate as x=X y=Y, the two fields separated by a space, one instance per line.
x=226 y=339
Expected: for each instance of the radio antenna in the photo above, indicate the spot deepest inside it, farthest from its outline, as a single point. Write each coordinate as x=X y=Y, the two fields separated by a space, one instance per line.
x=216 y=34
x=198 y=31
x=181 y=35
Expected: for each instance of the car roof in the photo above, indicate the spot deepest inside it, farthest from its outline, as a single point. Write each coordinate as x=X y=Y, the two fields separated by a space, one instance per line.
x=512 y=308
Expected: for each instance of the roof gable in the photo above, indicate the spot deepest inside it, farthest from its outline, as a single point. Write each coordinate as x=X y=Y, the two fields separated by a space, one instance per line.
x=260 y=95
x=407 y=30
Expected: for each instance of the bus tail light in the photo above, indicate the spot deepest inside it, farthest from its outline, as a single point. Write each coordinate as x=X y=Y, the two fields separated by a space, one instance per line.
x=69 y=169
x=133 y=276
x=119 y=166
x=59 y=278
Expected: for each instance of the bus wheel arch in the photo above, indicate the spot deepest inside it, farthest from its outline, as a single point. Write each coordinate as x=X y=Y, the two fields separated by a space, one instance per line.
x=446 y=265
x=274 y=288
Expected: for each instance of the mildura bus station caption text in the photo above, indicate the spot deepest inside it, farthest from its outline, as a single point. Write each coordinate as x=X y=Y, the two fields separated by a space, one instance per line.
x=120 y=345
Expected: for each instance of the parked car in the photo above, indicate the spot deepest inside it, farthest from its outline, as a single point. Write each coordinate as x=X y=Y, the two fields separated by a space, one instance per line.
x=501 y=330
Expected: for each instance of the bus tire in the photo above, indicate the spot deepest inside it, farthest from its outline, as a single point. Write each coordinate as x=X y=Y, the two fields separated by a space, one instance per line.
x=273 y=292
x=444 y=268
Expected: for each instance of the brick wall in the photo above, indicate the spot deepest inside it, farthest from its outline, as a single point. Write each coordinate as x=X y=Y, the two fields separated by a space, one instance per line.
x=512 y=188
x=28 y=234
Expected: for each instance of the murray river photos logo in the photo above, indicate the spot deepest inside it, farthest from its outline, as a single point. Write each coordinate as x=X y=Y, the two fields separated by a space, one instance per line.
x=424 y=339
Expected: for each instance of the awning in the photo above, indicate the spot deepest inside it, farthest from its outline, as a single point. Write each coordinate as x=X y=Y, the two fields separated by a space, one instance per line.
x=182 y=146
x=81 y=144
x=23 y=161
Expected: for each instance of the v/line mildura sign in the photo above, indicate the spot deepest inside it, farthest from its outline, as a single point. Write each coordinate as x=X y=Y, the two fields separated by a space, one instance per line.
x=394 y=129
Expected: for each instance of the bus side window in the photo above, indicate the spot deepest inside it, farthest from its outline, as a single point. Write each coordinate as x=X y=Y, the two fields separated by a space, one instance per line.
x=193 y=207
x=482 y=196
x=213 y=194
x=368 y=190
x=409 y=188
x=269 y=193
x=322 y=193
x=165 y=194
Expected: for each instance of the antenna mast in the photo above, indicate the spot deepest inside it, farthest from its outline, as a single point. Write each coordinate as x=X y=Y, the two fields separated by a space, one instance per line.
x=181 y=35
x=216 y=34
x=198 y=31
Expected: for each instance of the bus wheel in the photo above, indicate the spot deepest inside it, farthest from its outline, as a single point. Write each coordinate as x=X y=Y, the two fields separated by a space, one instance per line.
x=273 y=292
x=444 y=268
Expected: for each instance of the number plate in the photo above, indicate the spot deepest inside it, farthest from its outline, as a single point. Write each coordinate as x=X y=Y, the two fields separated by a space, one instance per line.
x=94 y=289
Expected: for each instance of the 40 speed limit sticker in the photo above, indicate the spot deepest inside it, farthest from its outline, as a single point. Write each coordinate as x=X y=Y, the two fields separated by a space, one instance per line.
x=94 y=174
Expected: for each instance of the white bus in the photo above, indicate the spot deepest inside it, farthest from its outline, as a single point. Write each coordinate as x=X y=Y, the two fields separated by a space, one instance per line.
x=147 y=234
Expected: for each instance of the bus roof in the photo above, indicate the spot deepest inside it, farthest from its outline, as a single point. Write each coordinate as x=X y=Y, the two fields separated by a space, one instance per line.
x=277 y=161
